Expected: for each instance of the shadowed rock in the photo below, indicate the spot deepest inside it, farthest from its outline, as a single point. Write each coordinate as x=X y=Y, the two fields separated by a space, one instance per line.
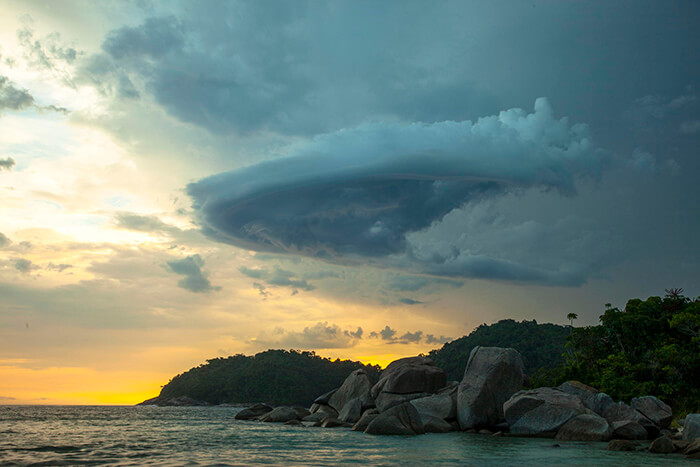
x=400 y=420
x=324 y=398
x=492 y=376
x=662 y=445
x=653 y=409
x=252 y=412
x=628 y=429
x=387 y=400
x=622 y=445
x=355 y=386
x=691 y=427
x=280 y=415
x=352 y=411
x=442 y=406
x=586 y=427
x=365 y=420
x=435 y=424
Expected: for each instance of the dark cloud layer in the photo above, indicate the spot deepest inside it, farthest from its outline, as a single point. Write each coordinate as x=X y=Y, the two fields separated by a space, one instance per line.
x=195 y=279
x=359 y=192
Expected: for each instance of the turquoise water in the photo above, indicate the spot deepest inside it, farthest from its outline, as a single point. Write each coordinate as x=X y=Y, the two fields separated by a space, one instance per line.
x=41 y=435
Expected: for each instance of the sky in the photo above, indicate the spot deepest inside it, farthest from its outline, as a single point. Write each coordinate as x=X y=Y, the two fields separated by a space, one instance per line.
x=186 y=180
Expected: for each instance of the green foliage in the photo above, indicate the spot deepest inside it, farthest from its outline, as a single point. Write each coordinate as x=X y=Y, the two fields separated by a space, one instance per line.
x=541 y=345
x=274 y=376
x=651 y=347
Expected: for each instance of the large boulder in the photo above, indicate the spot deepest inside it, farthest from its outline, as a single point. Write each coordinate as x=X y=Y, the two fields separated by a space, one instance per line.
x=351 y=412
x=253 y=412
x=400 y=420
x=355 y=386
x=586 y=393
x=541 y=411
x=365 y=420
x=492 y=376
x=439 y=405
x=325 y=397
x=653 y=409
x=410 y=375
x=280 y=415
x=387 y=400
x=628 y=429
x=691 y=427
x=586 y=427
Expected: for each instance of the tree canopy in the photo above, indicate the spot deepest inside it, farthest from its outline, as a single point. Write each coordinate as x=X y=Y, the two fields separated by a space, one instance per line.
x=274 y=376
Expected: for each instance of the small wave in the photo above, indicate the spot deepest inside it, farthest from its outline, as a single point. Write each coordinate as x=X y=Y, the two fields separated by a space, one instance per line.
x=50 y=448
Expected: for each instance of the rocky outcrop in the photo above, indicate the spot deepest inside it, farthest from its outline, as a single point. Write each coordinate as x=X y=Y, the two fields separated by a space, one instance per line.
x=586 y=427
x=541 y=411
x=492 y=376
x=435 y=424
x=653 y=409
x=253 y=412
x=400 y=420
x=691 y=427
x=407 y=379
x=180 y=401
x=355 y=386
x=628 y=429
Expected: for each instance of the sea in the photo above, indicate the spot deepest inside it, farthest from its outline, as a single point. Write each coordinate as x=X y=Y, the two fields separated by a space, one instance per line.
x=210 y=436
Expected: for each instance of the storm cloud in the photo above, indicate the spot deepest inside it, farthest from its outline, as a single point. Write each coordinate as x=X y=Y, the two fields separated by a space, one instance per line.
x=360 y=192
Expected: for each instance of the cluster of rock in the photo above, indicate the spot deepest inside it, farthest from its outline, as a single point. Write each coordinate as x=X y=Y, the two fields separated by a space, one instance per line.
x=413 y=397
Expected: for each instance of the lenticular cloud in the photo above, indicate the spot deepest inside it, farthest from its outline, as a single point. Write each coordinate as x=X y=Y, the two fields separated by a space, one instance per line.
x=360 y=191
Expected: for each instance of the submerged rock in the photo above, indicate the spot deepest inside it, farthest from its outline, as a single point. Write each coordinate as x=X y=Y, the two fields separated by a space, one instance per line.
x=253 y=412
x=586 y=427
x=492 y=376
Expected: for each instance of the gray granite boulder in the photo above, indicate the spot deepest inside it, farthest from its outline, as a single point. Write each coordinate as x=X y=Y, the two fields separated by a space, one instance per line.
x=653 y=409
x=492 y=376
x=355 y=386
x=352 y=411
x=400 y=420
x=541 y=411
x=691 y=427
x=280 y=415
x=387 y=400
x=365 y=420
x=324 y=398
x=628 y=429
x=253 y=412
x=324 y=409
x=439 y=405
x=586 y=393
x=410 y=375
x=586 y=427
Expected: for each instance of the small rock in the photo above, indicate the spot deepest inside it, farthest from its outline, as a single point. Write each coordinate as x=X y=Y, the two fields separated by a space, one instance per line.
x=280 y=415
x=628 y=429
x=293 y=422
x=435 y=425
x=691 y=448
x=681 y=445
x=498 y=433
x=331 y=423
x=622 y=445
x=662 y=445
x=691 y=427
x=252 y=412
x=484 y=431
x=653 y=409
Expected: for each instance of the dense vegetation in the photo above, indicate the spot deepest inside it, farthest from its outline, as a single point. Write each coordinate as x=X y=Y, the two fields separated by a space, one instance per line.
x=541 y=345
x=650 y=347
x=274 y=376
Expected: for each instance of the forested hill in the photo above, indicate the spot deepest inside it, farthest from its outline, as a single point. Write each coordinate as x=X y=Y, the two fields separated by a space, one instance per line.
x=541 y=345
x=274 y=376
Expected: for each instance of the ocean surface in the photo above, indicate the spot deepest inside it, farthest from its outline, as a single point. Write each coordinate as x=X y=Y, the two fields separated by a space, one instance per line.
x=93 y=435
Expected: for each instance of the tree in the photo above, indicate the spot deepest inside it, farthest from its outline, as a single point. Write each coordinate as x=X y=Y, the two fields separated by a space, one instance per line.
x=571 y=317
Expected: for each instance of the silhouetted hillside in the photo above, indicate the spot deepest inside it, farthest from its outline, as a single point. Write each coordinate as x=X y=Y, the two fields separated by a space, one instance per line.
x=541 y=345
x=274 y=376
